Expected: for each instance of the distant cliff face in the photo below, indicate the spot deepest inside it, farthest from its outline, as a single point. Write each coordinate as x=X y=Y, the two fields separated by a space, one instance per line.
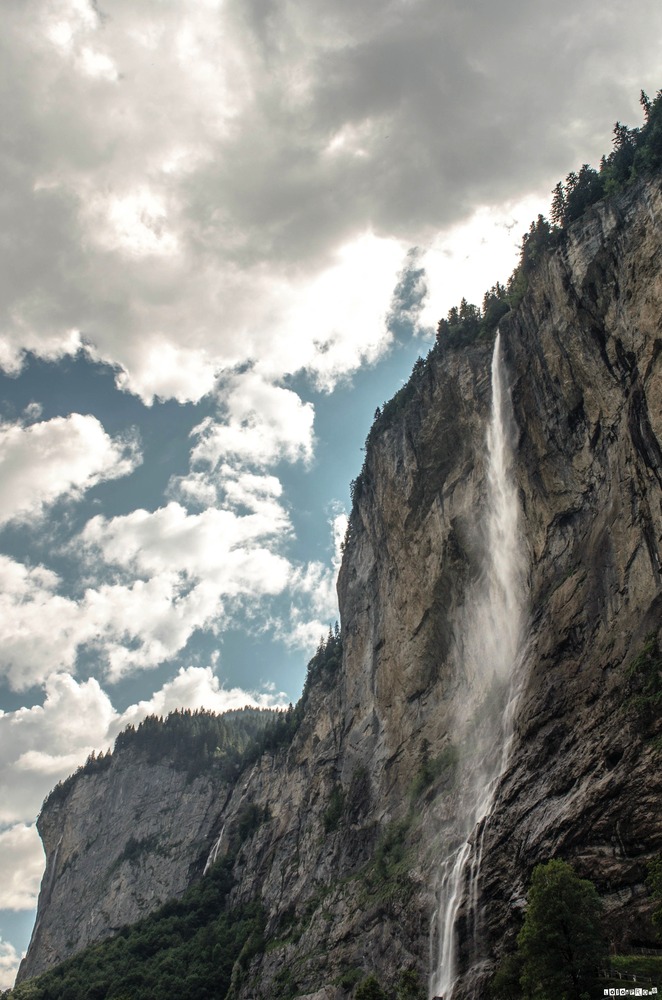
x=120 y=843
x=352 y=816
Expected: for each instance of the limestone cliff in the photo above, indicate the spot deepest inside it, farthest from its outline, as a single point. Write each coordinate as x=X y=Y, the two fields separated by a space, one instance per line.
x=120 y=843
x=357 y=810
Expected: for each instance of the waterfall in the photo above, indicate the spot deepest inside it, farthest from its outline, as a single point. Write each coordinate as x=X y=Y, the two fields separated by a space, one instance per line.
x=488 y=640
x=213 y=854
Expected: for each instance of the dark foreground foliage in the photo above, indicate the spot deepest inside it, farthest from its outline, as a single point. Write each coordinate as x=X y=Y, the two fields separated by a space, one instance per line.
x=654 y=882
x=561 y=947
x=193 y=948
x=644 y=699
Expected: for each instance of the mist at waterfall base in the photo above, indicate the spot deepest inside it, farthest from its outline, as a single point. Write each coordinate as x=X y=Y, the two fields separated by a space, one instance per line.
x=488 y=651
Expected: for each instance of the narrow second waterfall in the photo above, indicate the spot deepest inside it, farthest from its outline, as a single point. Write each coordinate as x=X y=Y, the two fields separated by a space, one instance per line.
x=488 y=644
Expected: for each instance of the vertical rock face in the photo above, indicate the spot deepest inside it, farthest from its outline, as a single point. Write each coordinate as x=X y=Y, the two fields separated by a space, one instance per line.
x=120 y=843
x=584 y=781
x=357 y=811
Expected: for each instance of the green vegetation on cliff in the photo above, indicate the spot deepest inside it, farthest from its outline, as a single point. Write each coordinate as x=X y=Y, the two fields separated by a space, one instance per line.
x=654 y=881
x=561 y=947
x=636 y=152
x=193 y=741
x=194 y=948
x=201 y=741
x=645 y=685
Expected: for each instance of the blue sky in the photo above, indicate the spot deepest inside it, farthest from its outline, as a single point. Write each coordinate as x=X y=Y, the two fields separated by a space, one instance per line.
x=229 y=229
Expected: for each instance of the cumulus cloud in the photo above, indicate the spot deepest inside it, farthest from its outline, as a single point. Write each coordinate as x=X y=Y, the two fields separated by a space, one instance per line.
x=41 y=744
x=264 y=424
x=146 y=622
x=175 y=572
x=314 y=600
x=62 y=457
x=212 y=183
x=40 y=629
x=188 y=566
x=9 y=962
x=234 y=489
x=198 y=687
x=131 y=625
x=256 y=492
x=21 y=867
x=223 y=547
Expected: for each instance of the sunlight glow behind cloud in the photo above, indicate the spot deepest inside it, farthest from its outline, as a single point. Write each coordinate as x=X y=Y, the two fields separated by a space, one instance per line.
x=276 y=174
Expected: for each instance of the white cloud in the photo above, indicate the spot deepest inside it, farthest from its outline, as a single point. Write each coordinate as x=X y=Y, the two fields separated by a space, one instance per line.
x=135 y=223
x=9 y=962
x=193 y=563
x=33 y=411
x=337 y=320
x=469 y=258
x=174 y=572
x=233 y=489
x=339 y=523
x=265 y=424
x=197 y=489
x=218 y=545
x=198 y=687
x=40 y=630
x=21 y=867
x=156 y=368
x=300 y=631
x=97 y=65
x=207 y=185
x=314 y=599
x=65 y=456
x=44 y=743
x=258 y=493
x=177 y=571
x=132 y=625
x=316 y=582
x=149 y=621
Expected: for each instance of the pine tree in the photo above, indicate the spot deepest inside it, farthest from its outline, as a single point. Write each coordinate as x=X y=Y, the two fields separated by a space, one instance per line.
x=561 y=942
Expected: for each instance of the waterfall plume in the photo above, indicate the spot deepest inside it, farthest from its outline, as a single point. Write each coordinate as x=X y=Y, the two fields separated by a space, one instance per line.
x=488 y=642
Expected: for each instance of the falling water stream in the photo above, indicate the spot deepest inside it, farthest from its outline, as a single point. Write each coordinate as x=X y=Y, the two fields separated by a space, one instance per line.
x=488 y=640
x=213 y=854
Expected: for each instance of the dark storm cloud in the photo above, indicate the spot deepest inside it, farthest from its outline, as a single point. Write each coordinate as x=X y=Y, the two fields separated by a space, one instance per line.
x=454 y=107
x=179 y=175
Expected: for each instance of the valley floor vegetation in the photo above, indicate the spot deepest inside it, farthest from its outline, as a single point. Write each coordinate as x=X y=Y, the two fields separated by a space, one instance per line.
x=562 y=953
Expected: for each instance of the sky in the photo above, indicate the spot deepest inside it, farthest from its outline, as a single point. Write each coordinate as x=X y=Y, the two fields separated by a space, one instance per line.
x=229 y=229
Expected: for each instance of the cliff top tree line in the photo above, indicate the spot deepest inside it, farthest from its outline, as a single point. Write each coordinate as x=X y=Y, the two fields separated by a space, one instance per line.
x=636 y=152
x=201 y=741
